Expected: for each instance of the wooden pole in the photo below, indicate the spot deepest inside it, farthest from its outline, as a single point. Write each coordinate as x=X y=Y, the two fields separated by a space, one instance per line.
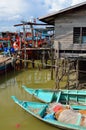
x=57 y=74
x=31 y=26
x=43 y=59
x=68 y=74
x=77 y=74
x=52 y=63
x=24 y=36
x=57 y=66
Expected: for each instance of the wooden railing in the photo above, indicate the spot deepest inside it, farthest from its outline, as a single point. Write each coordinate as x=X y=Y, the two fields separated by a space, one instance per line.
x=72 y=46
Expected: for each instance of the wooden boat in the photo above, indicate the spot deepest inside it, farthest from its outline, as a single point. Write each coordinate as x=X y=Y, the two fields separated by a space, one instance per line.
x=38 y=110
x=62 y=96
x=5 y=64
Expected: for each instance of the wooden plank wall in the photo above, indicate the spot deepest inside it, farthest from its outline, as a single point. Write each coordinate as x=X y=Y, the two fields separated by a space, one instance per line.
x=64 y=29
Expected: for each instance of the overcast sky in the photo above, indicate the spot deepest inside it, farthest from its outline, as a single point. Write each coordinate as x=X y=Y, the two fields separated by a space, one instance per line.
x=14 y=11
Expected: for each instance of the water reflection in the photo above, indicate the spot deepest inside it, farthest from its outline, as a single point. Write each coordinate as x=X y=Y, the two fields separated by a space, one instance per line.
x=9 y=83
x=27 y=77
x=39 y=77
x=10 y=113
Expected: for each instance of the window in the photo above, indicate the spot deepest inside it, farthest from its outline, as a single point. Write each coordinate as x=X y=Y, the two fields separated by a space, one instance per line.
x=79 y=35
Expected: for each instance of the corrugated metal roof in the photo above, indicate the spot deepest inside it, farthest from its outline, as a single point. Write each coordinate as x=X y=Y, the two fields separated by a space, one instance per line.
x=50 y=17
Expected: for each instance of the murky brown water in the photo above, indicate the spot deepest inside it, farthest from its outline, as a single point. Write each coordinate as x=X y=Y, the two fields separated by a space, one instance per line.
x=12 y=117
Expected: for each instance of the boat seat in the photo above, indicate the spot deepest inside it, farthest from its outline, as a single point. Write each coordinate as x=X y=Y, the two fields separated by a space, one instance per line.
x=58 y=96
x=42 y=111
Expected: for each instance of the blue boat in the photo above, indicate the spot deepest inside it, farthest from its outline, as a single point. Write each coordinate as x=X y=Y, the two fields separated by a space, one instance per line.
x=38 y=110
x=5 y=63
x=63 y=96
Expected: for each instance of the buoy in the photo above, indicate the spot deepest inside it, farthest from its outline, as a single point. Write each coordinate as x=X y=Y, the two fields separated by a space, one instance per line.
x=17 y=125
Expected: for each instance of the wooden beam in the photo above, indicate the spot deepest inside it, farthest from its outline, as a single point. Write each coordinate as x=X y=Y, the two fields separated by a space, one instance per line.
x=29 y=23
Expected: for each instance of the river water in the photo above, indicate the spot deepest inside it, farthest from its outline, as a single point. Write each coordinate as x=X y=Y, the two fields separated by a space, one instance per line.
x=12 y=117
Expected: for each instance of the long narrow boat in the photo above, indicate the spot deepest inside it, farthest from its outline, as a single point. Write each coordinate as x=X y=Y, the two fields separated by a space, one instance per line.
x=5 y=64
x=38 y=110
x=62 y=96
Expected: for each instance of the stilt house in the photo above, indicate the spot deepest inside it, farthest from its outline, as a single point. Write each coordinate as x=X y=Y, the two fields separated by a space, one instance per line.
x=70 y=34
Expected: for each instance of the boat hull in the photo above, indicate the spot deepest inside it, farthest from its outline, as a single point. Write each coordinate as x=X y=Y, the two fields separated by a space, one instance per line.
x=5 y=64
x=38 y=110
x=62 y=96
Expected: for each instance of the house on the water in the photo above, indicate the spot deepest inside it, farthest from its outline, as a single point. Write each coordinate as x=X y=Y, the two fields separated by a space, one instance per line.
x=70 y=34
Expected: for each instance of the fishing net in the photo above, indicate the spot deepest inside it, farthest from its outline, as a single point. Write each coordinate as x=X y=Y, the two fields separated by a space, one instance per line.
x=67 y=116
x=83 y=121
x=53 y=107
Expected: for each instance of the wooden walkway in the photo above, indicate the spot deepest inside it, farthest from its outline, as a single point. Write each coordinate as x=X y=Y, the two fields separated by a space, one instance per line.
x=4 y=59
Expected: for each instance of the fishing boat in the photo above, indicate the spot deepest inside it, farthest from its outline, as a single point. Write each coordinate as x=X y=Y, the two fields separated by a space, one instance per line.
x=62 y=96
x=38 y=110
x=5 y=63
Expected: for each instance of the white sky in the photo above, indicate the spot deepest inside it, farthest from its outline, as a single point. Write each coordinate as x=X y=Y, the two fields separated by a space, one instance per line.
x=13 y=11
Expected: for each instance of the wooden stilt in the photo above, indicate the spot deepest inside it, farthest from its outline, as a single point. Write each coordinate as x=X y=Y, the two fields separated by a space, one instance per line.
x=77 y=74
x=57 y=75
